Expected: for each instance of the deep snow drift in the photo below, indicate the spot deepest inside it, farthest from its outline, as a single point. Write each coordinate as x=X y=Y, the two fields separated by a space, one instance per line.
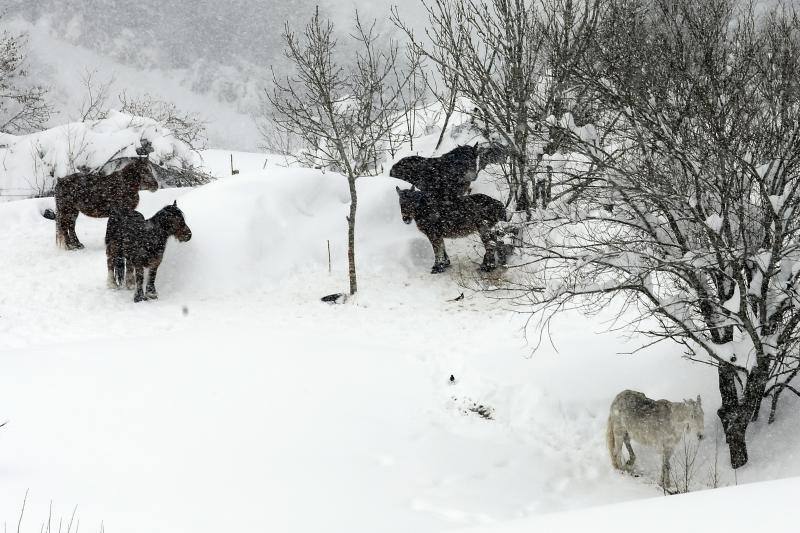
x=240 y=402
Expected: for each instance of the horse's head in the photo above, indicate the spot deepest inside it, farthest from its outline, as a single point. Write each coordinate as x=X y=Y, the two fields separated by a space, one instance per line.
x=172 y=219
x=409 y=198
x=491 y=154
x=462 y=162
x=695 y=421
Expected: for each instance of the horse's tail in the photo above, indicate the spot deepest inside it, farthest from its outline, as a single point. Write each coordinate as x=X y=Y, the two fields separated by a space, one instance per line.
x=49 y=214
x=61 y=233
x=611 y=443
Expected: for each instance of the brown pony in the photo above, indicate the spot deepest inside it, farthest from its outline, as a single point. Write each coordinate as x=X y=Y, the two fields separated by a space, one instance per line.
x=97 y=196
x=133 y=244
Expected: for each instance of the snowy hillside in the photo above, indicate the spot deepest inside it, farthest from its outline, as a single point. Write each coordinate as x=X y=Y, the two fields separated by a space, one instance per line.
x=62 y=65
x=240 y=402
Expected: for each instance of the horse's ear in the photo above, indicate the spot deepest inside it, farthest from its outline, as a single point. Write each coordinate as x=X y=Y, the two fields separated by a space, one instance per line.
x=698 y=400
x=397 y=188
x=476 y=144
x=175 y=203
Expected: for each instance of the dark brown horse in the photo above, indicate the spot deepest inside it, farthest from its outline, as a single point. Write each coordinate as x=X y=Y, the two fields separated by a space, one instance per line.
x=133 y=244
x=95 y=195
x=448 y=176
x=458 y=217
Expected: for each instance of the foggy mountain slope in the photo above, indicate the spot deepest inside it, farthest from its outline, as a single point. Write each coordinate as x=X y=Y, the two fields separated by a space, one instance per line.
x=211 y=58
x=175 y=34
x=179 y=33
x=61 y=66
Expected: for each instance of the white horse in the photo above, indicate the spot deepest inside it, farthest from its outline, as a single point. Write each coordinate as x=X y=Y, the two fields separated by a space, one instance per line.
x=657 y=423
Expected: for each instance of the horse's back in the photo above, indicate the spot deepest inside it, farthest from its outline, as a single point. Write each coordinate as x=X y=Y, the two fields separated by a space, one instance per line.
x=459 y=156
x=631 y=400
x=644 y=419
x=95 y=195
x=405 y=164
x=69 y=187
x=444 y=176
x=123 y=224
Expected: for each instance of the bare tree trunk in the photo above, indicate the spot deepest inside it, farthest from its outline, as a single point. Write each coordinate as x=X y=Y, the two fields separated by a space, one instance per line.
x=451 y=107
x=351 y=235
x=733 y=424
x=736 y=415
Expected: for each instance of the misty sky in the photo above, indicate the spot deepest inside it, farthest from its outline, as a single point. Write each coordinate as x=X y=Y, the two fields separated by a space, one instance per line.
x=178 y=33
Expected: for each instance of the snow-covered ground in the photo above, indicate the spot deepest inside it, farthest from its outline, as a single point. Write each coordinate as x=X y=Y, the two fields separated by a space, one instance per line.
x=239 y=402
x=742 y=508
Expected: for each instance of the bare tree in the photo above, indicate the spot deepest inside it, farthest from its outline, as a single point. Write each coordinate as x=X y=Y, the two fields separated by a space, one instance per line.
x=443 y=80
x=185 y=126
x=499 y=54
x=94 y=105
x=414 y=99
x=341 y=112
x=697 y=146
x=22 y=104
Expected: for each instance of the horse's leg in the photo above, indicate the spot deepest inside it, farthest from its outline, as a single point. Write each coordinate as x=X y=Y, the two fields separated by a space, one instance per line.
x=502 y=247
x=616 y=448
x=631 y=456
x=139 y=295
x=489 y=261
x=74 y=236
x=112 y=252
x=445 y=258
x=150 y=292
x=130 y=274
x=69 y=221
x=61 y=236
x=65 y=228
x=439 y=255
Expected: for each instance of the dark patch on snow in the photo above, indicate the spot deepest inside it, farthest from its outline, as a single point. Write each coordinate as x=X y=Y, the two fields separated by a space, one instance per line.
x=337 y=298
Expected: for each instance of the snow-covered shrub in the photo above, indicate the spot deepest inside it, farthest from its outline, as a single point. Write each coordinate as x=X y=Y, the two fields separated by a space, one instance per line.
x=31 y=164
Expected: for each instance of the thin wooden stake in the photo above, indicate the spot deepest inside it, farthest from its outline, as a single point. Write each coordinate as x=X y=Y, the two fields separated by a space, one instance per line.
x=329 y=256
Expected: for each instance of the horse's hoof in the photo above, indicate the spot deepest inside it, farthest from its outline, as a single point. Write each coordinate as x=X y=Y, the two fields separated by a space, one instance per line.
x=487 y=268
x=438 y=269
x=151 y=296
x=138 y=298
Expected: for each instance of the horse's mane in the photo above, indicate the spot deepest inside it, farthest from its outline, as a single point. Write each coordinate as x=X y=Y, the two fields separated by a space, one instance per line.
x=167 y=210
x=459 y=152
